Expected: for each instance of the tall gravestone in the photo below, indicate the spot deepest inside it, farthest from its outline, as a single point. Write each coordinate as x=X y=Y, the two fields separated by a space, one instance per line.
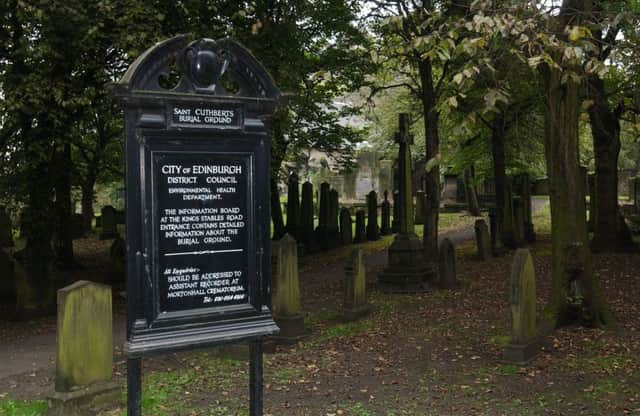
x=447 y=265
x=525 y=343
x=109 y=223
x=293 y=206
x=287 y=309
x=322 y=231
x=385 y=221
x=395 y=224
x=307 y=237
x=6 y=234
x=406 y=270
x=361 y=228
x=421 y=207
x=483 y=241
x=346 y=227
x=372 y=217
x=355 y=295
x=333 y=226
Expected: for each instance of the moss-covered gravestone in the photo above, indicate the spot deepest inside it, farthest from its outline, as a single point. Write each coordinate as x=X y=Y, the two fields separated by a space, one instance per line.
x=6 y=236
x=483 y=241
x=447 y=265
x=525 y=343
x=346 y=227
x=421 y=208
x=361 y=228
x=84 y=360
x=109 y=223
x=385 y=221
x=306 y=234
x=287 y=309
x=372 y=216
x=355 y=296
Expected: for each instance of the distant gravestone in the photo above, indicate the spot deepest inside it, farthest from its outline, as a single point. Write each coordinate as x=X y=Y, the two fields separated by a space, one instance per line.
x=447 y=265
x=483 y=241
x=372 y=216
x=421 y=203
x=6 y=235
x=77 y=226
x=518 y=222
x=306 y=217
x=355 y=299
x=117 y=260
x=333 y=227
x=525 y=343
x=395 y=224
x=109 y=223
x=322 y=232
x=287 y=308
x=385 y=221
x=361 y=230
x=497 y=247
x=293 y=206
x=346 y=227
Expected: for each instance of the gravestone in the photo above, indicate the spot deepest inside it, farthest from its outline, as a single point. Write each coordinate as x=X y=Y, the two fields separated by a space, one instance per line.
x=361 y=228
x=84 y=358
x=450 y=188
x=483 y=241
x=293 y=206
x=421 y=206
x=395 y=224
x=77 y=226
x=497 y=247
x=108 y=223
x=346 y=227
x=117 y=260
x=333 y=227
x=519 y=222
x=407 y=270
x=287 y=309
x=322 y=232
x=306 y=218
x=447 y=265
x=355 y=295
x=372 y=217
x=385 y=225
x=6 y=233
x=525 y=343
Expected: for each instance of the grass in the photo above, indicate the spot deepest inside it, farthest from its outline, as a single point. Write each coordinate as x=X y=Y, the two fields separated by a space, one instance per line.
x=20 y=408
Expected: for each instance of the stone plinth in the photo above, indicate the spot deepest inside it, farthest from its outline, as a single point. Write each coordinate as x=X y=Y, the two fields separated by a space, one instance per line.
x=407 y=271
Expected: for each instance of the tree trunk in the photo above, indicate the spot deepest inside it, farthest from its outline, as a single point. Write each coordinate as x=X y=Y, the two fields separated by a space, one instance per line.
x=63 y=241
x=432 y=140
x=470 y=193
x=504 y=205
x=576 y=291
x=87 y=204
x=610 y=234
x=278 y=151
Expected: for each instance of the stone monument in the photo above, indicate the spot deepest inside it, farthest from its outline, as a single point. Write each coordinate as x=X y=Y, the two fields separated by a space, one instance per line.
x=355 y=296
x=372 y=216
x=287 y=309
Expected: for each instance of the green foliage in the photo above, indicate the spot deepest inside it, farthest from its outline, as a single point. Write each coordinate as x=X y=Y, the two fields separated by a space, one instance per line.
x=20 y=408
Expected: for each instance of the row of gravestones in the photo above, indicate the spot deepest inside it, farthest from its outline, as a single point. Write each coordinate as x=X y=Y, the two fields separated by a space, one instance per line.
x=335 y=225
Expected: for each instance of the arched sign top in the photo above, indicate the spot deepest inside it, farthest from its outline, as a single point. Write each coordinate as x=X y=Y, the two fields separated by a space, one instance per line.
x=221 y=68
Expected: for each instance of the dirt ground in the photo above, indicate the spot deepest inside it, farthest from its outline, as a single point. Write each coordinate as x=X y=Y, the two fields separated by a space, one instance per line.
x=438 y=353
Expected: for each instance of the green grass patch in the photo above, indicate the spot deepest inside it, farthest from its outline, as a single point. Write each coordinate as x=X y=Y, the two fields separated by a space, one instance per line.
x=22 y=408
x=346 y=330
x=499 y=340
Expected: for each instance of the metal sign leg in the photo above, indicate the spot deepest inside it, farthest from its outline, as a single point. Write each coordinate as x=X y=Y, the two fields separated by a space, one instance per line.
x=255 y=378
x=134 y=387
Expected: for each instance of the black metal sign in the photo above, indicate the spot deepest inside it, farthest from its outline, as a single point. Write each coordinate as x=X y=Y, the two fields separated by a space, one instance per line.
x=197 y=161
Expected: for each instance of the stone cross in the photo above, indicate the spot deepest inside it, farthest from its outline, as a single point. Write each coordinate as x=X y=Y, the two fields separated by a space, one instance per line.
x=405 y=200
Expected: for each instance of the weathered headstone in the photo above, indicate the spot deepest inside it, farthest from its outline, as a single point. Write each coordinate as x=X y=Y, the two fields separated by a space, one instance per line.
x=372 y=216
x=355 y=296
x=395 y=224
x=385 y=225
x=361 y=228
x=322 y=232
x=346 y=227
x=6 y=234
x=518 y=222
x=406 y=271
x=306 y=218
x=333 y=227
x=525 y=343
x=293 y=206
x=287 y=309
x=483 y=240
x=421 y=206
x=497 y=247
x=109 y=223
x=447 y=265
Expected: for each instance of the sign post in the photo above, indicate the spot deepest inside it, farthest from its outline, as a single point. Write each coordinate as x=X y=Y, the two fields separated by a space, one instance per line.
x=197 y=183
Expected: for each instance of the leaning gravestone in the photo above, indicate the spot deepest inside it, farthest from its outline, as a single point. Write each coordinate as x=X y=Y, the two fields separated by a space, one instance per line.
x=525 y=343
x=346 y=228
x=447 y=265
x=420 y=208
x=355 y=296
x=287 y=309
x=372 y=216
x=361 y=229
x=109 y=223
x=483 y=241
x=306 y=217
x=385 y=225
x=293 y=206
x=6 y=235
x=84 y=360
